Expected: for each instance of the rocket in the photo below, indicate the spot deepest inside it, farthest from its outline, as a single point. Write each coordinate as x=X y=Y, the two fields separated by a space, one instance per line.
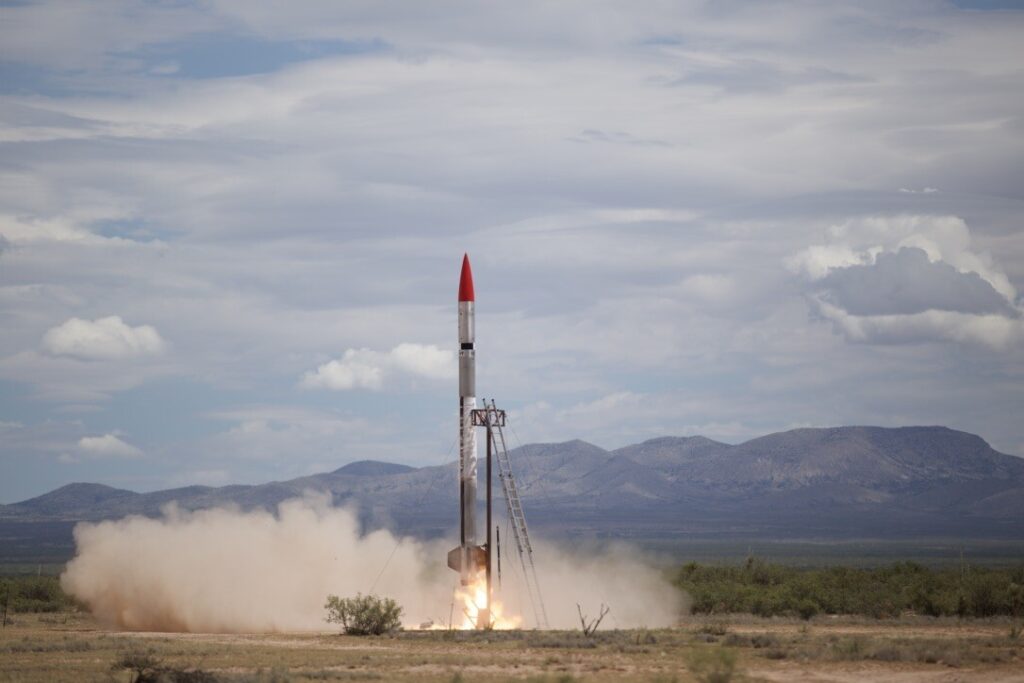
x=468 y=558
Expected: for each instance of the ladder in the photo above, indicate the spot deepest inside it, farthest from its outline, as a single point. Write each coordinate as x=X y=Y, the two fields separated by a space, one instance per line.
x=515 y=512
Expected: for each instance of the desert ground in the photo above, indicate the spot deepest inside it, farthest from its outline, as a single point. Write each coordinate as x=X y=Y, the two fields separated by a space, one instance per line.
x=73 y=646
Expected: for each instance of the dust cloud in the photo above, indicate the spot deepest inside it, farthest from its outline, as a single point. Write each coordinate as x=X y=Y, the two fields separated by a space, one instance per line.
x=229 y=571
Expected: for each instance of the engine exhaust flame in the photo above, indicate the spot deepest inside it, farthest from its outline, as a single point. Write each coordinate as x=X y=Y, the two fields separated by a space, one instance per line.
x=473 y=600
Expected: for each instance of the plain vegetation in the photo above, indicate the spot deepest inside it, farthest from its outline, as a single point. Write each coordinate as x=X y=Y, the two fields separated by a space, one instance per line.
x=753 y=587
x=364 y=615
x=33 y=594
x=769 y=590
x=712 y=649
x=866 y=624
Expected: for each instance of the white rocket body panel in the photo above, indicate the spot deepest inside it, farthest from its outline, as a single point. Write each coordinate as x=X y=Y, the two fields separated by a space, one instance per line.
x=467 y=441
x=467 y=322
x=468 y=470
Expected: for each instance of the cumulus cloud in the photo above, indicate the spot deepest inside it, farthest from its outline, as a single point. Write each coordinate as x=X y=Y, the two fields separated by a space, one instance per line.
x=816 y=261
x=107 y=338
x=356 y=369
x=368 y=369
x=907 y=282
x=943 y=238
x=107 y=446
x=909 y=279
x=21 y=230
x=994 y=331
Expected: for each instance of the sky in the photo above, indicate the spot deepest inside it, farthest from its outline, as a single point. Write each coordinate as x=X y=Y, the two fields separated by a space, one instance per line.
x=231 y=232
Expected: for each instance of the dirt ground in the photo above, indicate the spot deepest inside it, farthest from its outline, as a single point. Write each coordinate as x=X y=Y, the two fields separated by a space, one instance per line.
x=74 y=647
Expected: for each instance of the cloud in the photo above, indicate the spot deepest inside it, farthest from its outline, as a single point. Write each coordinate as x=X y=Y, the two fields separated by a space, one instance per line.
x=107 y=446
x=943 y=238
x=20 y=230
x=909 y=279
x=102 y=339
x=165 y=69
x=710 y=287
x=994 y=331
x=367 y=369
x=356 y=369
x=752 y=76
x=616 y=137
x=907 y=282
x=627 y=265
x=816 y=261
x=425 y=360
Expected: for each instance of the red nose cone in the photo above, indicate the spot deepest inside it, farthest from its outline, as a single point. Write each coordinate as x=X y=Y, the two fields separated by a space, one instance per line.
x=466 y=281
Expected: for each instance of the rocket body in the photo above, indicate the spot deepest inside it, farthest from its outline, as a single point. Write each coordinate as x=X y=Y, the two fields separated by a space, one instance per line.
x=467 y=559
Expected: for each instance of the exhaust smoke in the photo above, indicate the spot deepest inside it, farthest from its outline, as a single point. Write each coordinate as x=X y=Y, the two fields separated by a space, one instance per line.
x=225 y=570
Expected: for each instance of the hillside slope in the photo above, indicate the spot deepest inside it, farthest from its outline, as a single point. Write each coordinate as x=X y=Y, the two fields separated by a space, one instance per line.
x=843 y=481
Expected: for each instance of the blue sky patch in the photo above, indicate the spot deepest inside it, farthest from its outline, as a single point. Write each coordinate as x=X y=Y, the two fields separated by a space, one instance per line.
x=221 y=55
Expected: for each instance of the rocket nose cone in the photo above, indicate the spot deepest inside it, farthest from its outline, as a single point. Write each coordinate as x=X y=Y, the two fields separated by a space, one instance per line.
x=466 y=281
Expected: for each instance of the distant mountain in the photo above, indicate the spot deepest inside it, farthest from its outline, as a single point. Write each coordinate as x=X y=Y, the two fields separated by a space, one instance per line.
x=56 y=503
x=373 y=468
x=844 y=482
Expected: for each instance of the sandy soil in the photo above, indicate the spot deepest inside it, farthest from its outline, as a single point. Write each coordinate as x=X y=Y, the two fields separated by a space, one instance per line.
x=40 y=648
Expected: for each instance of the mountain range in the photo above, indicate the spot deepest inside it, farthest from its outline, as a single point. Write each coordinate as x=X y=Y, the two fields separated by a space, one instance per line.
x=843 y=482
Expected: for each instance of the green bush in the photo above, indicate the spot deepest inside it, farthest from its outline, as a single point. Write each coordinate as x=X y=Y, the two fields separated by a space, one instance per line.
x=807 y=609
x=33 y=594
x=712 y=665
x=145 y=667
x=364 y=615
x=142 y=664
x=775 y=590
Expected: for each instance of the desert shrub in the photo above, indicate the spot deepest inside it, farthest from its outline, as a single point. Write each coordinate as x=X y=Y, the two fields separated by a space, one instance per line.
x=364 y=614
x=763 y=574
x=984 y=595
x=561 y=640
x=807 y=609
x=757 y=641
x=1015 y=597
x=40 y=645
x=145 y=667
x=849 y=649
x=737 y=640
x=33 y=594
x=714 y=629
x=645 y=637
x=775 y=590
x=712 y=664
x=277 y=675
x=143 y=664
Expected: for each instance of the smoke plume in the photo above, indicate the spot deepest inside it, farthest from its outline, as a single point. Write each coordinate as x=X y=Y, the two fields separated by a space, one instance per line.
x=225 y=570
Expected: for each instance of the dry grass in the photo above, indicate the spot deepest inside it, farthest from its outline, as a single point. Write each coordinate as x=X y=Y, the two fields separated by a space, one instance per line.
x=742 y=648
